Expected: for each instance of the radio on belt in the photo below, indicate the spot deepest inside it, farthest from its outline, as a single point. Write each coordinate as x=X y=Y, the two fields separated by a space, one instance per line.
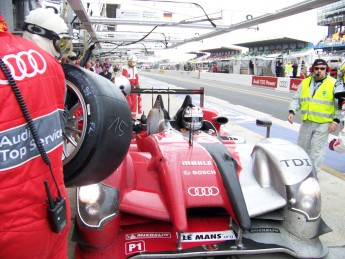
x=56 y=211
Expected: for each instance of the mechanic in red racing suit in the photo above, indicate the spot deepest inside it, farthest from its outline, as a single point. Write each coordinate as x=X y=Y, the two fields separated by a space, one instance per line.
x=25 y=231
x=338 y=144
x=131 y=72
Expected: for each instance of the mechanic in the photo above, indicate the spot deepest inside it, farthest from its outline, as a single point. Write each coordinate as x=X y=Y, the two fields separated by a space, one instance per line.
x=25 y=230
x=338 y=144
x=192 y=118
x=131 y=72
x=319 y=111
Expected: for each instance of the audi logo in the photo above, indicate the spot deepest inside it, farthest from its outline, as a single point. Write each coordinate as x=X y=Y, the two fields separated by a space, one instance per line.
x=203 y=191
x=283 y=84
x=24 y=64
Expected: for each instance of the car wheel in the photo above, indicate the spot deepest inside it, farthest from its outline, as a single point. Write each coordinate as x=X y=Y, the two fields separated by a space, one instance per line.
x=98 y=127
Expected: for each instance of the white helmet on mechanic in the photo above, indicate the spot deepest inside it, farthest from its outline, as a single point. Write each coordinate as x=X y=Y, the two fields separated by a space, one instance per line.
x=132 y=60
x=123 y=84
x=48 y=30
x=192 y=118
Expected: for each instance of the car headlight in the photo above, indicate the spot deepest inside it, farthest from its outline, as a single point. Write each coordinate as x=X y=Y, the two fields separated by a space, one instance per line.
x=96 y=204
x=89 y=194
x=305 y=198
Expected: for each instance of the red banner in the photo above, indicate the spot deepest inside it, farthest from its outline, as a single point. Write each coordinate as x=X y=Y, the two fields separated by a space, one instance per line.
x=266 y=81
x=294 y=83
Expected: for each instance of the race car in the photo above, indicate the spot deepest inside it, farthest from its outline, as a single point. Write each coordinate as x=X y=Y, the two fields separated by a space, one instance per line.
x=185 y=191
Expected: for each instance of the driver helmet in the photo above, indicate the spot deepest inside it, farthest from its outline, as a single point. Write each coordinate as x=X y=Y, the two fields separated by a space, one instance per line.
x=192 y=118
x=123 y=84
x=132 y=60
x=48 y=30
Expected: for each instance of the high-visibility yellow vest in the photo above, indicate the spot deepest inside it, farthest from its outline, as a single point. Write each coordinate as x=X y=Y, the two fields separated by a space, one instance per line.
x=319 y=108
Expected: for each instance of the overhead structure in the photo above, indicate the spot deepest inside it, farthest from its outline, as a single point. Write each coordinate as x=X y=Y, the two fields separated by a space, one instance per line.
x=118 y=27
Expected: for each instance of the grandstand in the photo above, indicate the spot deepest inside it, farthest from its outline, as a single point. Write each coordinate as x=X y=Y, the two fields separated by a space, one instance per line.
x=332 y=16
x=260 y=59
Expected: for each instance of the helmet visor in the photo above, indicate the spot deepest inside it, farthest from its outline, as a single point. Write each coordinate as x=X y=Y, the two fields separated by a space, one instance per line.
x=193 y=119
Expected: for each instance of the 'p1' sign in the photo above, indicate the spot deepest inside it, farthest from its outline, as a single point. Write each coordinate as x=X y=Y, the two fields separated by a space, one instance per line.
x=134 y=247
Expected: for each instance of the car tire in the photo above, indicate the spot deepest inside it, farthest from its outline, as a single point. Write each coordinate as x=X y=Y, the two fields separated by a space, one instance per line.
x=98 y=127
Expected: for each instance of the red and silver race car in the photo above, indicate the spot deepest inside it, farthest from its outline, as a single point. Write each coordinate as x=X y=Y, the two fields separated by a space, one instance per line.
x=151 y=189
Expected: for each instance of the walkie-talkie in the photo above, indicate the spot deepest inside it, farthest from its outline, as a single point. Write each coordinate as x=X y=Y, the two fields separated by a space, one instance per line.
x=56 y=211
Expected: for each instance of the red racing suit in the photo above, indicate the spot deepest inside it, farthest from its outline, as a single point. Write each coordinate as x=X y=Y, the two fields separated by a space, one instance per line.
x=338 y=144
x=24 y=227
x=133 y=99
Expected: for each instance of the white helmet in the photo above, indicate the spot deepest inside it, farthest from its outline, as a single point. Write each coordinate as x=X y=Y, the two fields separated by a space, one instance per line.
x=339 y=90
x=48 y=30
x=132 y=60
x=192 y=118
x=123 y=84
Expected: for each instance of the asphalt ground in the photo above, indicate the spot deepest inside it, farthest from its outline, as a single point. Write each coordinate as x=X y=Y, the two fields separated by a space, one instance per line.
x=332 y=186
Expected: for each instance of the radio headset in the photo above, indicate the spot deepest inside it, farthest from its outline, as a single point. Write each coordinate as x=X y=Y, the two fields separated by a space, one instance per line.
x=56 y=210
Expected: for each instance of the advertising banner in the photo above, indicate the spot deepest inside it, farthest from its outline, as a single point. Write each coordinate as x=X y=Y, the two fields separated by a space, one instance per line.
x=283 y=84
x=294 y=83
x=266 y=81
x=152 y=15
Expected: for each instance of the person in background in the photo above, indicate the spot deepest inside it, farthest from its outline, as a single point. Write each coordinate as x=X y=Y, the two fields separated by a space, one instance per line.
x=304 y=70
x=338 y=144
x=278 y=68
x=110 y=66
x=105 y=72
x=214 y=68
x=88 y=65
x=131 y=72
x=320 y=116
x=25 y=230
x=251 y=67
x=97 y=67
x=288 y=69
x=294 y=69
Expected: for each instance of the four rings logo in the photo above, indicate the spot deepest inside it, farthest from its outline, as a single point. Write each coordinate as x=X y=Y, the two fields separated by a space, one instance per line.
x=203 y=191
x=24 y=64
x=283 y=84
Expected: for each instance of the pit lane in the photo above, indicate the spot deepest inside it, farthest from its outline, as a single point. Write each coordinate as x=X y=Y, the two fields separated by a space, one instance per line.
x=241 y=119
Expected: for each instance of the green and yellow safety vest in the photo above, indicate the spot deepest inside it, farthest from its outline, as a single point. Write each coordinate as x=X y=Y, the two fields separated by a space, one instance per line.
x=319 y=108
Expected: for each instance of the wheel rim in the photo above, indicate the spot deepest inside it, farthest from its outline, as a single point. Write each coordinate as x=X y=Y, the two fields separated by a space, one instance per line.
x=76 y=124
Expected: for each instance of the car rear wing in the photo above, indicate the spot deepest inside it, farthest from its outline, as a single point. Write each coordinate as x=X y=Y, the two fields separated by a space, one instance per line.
x=170 y=91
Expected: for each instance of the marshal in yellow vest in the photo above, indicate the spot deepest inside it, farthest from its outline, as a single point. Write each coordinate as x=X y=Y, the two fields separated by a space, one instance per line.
x=319 y=108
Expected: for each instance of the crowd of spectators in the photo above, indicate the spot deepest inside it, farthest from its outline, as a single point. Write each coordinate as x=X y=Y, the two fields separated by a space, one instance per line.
x=104 y=68
x=337 y=38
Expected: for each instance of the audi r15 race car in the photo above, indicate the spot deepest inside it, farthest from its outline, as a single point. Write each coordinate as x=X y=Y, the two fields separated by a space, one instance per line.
x=168 y=190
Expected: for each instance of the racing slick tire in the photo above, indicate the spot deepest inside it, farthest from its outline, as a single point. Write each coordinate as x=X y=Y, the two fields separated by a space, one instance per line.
x=98 y=127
